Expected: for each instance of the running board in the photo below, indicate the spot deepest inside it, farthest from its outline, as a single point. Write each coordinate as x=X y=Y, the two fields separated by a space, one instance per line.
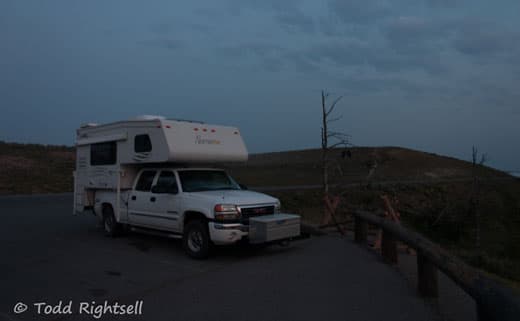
x=172 y=235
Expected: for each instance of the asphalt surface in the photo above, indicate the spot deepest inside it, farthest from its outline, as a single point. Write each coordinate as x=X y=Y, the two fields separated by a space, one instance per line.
x=50 y=255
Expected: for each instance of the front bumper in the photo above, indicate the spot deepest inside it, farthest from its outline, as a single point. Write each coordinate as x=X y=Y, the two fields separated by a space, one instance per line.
x=261 y=229
x=222 y=234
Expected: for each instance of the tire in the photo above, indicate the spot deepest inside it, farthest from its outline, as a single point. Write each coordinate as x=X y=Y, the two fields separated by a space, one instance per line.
x=195 y=239
x=110 y=225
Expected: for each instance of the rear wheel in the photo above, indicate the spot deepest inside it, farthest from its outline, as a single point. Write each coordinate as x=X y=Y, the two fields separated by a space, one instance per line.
x=195 y=240
x=110 y=225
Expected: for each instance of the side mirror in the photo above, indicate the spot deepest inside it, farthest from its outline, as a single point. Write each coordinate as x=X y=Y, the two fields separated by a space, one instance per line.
x=242 y=186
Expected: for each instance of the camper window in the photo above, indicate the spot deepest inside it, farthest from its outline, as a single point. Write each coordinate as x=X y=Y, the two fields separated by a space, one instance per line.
x=142 y=144
x=145 y=181
x=103 y=153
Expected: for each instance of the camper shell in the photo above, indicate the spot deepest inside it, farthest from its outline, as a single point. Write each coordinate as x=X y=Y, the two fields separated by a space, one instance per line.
x=109 y=156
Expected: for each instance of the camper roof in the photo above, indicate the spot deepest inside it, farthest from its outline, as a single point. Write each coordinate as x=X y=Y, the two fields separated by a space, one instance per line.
x=169 y=140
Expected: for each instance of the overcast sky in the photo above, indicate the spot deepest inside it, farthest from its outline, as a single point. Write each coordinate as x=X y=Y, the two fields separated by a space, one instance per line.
x=434 y=75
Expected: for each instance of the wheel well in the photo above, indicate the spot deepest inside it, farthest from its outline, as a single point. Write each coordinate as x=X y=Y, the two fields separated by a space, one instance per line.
x=192 y=216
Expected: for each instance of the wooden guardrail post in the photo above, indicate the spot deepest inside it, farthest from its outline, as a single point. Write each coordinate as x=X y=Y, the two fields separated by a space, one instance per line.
x=389 y=248
x=360 y=230
x=427 y=284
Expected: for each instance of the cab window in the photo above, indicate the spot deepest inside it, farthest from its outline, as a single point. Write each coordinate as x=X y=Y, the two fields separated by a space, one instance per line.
x=145 y=181
x=166 y=183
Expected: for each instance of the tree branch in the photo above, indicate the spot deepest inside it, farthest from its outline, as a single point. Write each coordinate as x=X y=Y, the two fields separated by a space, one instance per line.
x=334 y=119
x=338 y=135
x=333 y=106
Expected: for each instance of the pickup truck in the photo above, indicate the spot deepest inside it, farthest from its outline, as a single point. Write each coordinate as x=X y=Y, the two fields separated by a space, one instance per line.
x=203 y=206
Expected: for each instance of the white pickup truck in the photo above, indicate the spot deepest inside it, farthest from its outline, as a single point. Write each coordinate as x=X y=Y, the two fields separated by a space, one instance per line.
x=203 y=206
x=134 y=174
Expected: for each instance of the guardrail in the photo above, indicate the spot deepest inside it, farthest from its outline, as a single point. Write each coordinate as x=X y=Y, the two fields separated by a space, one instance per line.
x=494 y=302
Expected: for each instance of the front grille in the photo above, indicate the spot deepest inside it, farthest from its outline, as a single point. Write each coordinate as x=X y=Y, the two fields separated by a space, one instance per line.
x=249 y=212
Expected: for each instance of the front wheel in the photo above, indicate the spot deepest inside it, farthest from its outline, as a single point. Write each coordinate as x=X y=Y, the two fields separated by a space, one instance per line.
x=195 y=240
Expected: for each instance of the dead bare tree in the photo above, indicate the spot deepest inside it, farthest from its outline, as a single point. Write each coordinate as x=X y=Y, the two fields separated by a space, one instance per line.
x=475 y=196
x=372 y=166
x=330 y=140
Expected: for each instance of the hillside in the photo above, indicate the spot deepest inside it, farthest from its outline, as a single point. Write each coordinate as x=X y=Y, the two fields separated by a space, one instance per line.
x=393 y=164
x=31 y=168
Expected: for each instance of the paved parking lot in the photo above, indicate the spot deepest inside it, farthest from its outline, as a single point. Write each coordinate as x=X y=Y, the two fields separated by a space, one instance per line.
x=49 y=256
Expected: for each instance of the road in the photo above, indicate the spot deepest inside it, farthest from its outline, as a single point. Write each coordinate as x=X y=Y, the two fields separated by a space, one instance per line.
x=50 y=255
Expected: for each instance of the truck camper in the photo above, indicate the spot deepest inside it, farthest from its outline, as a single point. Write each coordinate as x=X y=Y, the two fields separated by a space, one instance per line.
x=151 y=174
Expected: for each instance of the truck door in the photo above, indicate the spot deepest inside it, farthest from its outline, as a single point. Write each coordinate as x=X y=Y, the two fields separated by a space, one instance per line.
x=167 y=201
x=141 y=203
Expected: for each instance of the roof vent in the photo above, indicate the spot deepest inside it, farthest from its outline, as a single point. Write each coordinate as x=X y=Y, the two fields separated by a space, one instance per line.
x=149 y=117
x=86 y=125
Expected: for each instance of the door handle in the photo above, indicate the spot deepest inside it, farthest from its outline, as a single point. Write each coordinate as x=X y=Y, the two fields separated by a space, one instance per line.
x=134 y=197
x=152 y=199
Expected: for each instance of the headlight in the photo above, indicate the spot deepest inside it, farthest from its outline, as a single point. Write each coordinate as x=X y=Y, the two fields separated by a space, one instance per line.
x=277 y=207
x=225 y=212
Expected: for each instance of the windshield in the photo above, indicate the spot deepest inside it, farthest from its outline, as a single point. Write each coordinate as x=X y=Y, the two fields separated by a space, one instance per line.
x=206 y=180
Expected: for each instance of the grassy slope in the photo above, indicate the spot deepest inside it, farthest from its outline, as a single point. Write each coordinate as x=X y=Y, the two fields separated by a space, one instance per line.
x=43 y=169
x=436 y=203
x=394 y=163
x=30 y=169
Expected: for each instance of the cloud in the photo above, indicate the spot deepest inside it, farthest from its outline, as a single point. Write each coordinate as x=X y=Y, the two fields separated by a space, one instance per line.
x=165 y=43
x=301 y=63
x=295 y=20
x=161 y=28
x=336 y=55
x=414 y=35
x=251 y=48
x=267 y=4
x=280 y=6
x=480 y=44
x=409 y=27
x=287 y=13
x=373 y=84
x=395 y=44
x=271 y=57
x=375 y=56
x=443 y=3
x=484 y=39
x=272 y=64
x=331 y=26
x=359 y=11
x=268 y=56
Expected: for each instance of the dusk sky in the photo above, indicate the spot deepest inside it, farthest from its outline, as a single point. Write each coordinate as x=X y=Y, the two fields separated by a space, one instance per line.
x=433 y=75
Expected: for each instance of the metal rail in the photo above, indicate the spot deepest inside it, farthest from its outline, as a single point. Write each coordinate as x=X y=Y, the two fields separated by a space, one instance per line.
x=494 y=301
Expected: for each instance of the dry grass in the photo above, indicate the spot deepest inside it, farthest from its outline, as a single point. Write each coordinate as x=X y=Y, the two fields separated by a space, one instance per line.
x=30 y=169
x=394 y=163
